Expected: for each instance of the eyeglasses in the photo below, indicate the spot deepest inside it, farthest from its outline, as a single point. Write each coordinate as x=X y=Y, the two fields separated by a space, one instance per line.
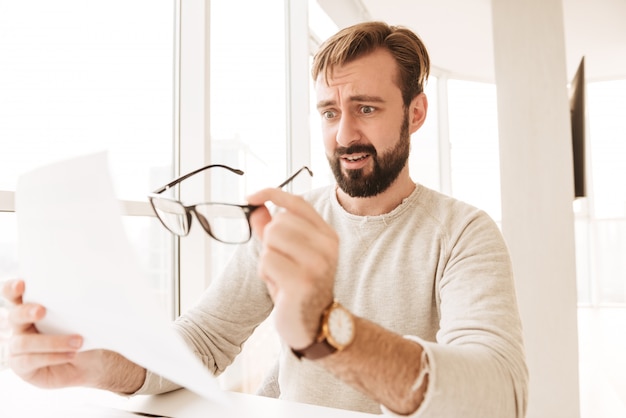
x=225 y=222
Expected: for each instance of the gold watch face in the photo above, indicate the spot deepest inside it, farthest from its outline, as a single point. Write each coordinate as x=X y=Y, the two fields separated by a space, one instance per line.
x=339 y=327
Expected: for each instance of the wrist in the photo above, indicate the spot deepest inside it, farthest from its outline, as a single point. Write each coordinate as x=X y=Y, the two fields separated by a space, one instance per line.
x=336 y=331
x=118 y=374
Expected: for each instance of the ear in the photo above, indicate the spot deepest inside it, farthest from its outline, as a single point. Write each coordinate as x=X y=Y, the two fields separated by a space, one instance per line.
x=417 y=112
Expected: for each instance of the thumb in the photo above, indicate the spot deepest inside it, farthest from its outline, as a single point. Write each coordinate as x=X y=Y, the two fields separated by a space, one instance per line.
x=258 y=219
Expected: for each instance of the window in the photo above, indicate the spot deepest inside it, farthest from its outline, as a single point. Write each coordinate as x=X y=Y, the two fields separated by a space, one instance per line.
x=248 y=113
x=78 y=77
x=606 y=155
x=255 y=105
x=248 y=108
x=474 y=158
x=95 y=88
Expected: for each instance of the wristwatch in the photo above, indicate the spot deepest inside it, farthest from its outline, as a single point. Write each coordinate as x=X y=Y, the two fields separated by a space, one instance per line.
x=335 y=334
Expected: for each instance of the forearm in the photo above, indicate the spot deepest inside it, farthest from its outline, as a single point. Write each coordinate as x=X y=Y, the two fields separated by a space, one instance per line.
x=118 y=374
x=383 y=365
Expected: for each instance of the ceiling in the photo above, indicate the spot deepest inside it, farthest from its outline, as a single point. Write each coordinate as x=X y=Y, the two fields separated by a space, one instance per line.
x=458 y=33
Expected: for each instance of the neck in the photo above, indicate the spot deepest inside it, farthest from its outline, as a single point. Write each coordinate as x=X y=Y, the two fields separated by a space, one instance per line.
x=383 y=202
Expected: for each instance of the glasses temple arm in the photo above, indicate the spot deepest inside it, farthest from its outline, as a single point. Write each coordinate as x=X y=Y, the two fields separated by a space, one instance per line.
x=184 y=176
x=293 y=176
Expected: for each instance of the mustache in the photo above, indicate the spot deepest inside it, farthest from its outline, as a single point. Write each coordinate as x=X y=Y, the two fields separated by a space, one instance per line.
x=353 y=149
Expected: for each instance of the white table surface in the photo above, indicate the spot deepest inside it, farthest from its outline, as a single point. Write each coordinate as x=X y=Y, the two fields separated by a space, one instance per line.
x=19 y=399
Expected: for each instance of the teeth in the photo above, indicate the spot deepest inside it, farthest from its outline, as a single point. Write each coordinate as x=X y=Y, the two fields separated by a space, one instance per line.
x=352 y=159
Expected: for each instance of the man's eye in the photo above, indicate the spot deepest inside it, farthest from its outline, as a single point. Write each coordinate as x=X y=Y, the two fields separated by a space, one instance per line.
x=367 y=109
x=328 y=114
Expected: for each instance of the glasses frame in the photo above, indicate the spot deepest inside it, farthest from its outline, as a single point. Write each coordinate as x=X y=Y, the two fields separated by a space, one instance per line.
x=191 y=209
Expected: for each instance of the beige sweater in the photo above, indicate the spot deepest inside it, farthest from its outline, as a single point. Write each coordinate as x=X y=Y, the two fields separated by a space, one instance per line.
x=434 y=269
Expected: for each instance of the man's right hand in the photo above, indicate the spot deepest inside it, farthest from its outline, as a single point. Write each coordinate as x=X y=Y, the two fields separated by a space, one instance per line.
x=54 y=361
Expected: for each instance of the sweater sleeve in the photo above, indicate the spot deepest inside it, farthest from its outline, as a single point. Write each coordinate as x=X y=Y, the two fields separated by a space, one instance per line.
x=227 y=313
x=477 y=367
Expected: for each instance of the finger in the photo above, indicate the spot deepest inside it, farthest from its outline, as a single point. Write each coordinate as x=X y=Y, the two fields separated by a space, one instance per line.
x=27 y=364
x=308 y=246
x=259 y=219
x=13 y=291
x=44 y=344
x=271 y=286
x=274 y=265
x=290 y=202
x=305 y=275
x=23 y=316
x=290 y=231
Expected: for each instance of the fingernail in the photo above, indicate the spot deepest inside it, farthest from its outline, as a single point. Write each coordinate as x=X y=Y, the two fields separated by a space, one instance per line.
x=75 y=342
x=34 y=311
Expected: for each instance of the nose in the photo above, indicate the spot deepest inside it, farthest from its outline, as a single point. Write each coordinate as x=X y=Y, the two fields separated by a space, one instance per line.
x=347 y=130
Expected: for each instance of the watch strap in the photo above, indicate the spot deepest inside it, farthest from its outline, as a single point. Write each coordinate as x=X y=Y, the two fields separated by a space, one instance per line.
x=316 y=350
x=320 y=347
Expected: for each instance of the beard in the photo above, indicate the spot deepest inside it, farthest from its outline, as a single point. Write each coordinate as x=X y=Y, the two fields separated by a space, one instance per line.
x=387 y=166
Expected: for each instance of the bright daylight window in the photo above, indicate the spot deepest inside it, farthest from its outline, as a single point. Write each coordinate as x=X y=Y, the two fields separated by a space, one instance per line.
x=78 y=77
x=607 y=155
x=474 y=158
x=248 y=102
x=601 y=245
x=248 y=73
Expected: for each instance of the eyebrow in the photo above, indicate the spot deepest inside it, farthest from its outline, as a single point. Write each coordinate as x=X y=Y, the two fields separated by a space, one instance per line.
x=357 y=98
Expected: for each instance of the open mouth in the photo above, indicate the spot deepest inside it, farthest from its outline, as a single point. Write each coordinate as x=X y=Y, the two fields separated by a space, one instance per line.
x=355 y=157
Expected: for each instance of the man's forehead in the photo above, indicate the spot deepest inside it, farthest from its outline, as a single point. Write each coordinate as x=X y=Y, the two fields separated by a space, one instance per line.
x=378 y=66
x=374 y=88
x=329 y=90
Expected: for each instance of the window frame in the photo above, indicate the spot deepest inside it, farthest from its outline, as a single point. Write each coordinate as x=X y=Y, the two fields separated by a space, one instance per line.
x=193 y=123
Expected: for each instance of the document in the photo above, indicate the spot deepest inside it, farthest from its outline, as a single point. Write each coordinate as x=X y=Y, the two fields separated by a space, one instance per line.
x=78 y=263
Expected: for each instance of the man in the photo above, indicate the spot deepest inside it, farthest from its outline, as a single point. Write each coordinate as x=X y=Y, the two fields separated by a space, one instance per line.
x=425 y=321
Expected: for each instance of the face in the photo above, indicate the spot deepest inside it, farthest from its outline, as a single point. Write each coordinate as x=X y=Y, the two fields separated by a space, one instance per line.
x=365 y=125
x=385 y=167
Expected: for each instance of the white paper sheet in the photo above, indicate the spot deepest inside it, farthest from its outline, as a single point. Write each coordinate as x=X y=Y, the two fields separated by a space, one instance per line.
x=79 y=264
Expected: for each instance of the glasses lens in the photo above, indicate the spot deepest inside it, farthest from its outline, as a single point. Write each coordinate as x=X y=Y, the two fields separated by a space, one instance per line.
x=227 y=223
x=172 y=214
